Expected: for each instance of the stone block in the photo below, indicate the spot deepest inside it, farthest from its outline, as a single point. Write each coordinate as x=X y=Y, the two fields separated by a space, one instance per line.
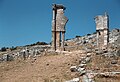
x=73 y=68
x=74 y=80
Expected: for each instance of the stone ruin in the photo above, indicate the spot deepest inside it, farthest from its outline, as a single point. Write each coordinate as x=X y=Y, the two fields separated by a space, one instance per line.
x=58 y=27
x=101 y=38
x=102 y=30
x=25 y=53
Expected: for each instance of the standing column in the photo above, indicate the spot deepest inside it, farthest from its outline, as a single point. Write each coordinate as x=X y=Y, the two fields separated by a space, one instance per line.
x=53 y=41
x=54 y=28
x=102 y=22
x=63 y=39
x=58 y=25
x=105 y=37
x=106 y=30
x=97 y=38
x=57 y=40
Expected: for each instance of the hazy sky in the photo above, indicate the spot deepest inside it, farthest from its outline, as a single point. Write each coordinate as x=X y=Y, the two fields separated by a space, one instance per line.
x=28 y=21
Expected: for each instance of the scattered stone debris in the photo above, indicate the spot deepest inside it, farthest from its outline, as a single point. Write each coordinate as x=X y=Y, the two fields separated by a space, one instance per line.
x=82 y=65
x=87 y=44
x=74 y=80
x=24 y=53
x=73 y=68
x=113 y=62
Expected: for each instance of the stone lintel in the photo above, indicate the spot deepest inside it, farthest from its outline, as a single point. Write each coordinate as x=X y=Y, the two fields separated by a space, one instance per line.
x=58 y=6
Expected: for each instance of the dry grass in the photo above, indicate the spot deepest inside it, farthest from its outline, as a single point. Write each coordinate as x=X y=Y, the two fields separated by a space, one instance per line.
x=49 y=67
x=103 y=64
x=115 y=78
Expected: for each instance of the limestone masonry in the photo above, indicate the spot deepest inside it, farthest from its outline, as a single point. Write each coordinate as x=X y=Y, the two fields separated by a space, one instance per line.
x=102 y=29
x=58 y=27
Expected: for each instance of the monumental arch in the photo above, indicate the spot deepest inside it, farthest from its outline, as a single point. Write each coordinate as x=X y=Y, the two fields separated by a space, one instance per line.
x=102 y=29
x=58 y=27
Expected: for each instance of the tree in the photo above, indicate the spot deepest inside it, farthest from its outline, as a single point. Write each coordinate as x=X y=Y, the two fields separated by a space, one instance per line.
x=77 y=36
x=13 y=48
x=3 y=49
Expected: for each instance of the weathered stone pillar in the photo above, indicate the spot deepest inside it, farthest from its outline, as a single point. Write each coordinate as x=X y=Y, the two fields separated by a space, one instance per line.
x=63 y=39
x=106 y=30
x=57 y=40
x=106 y=37
x=97 y=37
x=53 y=41
x=58 y=25
x=54 y=28
x=102 y=29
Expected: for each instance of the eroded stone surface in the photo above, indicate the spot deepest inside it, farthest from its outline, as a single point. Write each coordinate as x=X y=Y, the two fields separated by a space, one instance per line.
x=102 y=29
x=58 y=27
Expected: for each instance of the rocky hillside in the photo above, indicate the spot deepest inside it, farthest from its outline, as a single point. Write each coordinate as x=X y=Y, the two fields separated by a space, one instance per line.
x=89 y=41
x=114 y=38
x=81 y=62
x=23 y=52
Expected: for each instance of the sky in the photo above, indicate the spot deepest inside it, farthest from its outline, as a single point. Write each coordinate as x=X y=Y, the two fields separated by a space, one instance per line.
x=25 y=22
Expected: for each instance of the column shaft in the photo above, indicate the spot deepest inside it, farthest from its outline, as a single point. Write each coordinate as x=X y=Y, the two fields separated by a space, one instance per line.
x=53 y=41
x=63 y=39
x=97 y=39
x=57 y=40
